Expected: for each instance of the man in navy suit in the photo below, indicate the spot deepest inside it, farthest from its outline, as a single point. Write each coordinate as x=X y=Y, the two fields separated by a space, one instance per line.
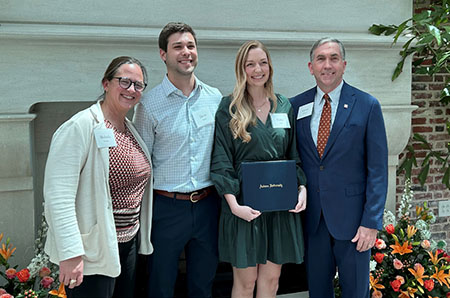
x=346 y=169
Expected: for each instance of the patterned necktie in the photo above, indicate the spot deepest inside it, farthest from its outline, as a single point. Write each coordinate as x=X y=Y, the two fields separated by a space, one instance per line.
x=324 y=126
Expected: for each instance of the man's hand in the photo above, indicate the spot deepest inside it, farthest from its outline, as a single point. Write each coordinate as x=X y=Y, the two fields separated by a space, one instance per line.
x=365 y=237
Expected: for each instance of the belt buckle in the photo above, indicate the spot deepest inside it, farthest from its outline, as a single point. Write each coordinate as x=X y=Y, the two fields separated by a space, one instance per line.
x=191 y=197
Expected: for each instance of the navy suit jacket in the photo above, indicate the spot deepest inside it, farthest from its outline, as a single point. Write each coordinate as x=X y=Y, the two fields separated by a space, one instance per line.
x=349 y=183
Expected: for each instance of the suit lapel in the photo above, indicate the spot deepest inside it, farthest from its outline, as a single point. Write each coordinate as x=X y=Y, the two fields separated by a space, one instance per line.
x=305 y=124
x=306 y=127
x=345 y=106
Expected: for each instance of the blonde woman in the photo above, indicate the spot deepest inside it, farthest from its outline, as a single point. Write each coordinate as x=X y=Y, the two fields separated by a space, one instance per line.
x=255 y=243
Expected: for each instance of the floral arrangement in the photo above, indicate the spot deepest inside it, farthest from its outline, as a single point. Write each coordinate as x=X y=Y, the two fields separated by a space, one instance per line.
x=405 y=262
x=36 y=280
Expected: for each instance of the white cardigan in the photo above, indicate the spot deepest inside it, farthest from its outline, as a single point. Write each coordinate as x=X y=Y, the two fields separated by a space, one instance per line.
x=78 y=205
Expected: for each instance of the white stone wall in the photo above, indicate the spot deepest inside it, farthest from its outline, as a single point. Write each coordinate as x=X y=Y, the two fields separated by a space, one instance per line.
x=53 y=54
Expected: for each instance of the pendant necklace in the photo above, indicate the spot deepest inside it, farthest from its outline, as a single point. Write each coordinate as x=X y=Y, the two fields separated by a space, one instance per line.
x=258 y=109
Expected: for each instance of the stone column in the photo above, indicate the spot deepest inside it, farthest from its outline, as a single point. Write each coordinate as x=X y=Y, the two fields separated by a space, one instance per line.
x=17 y=207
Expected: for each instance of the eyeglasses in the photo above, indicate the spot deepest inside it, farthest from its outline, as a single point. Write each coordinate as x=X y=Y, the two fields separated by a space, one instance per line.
x=126 y=83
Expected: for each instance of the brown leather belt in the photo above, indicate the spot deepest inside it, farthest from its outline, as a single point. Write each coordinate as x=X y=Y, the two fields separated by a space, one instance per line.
x=194 y=196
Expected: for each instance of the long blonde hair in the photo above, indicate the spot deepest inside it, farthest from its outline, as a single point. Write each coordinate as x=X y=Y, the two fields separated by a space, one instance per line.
x=241 y=108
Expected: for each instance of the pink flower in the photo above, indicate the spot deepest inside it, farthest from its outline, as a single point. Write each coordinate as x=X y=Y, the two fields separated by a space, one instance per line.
x=10 y=273
x=400 y=278
x=45 y=271
x=23 y=275
x=425 y=244
x=6 y=296
x=46 y=282
x=418 y=266
x=377 y=294
x=3 y=291
x=390 y=229
x=398 y=264
x=380 y=244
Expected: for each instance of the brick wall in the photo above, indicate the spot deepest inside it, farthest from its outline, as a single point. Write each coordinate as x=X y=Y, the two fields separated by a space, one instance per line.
x=429 y=120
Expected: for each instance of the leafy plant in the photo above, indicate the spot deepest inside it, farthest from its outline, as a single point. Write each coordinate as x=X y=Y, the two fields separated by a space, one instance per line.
x=428 y=40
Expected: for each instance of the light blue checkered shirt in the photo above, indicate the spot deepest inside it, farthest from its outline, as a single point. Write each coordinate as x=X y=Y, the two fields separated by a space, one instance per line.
x=179 y=132
x=318 y=106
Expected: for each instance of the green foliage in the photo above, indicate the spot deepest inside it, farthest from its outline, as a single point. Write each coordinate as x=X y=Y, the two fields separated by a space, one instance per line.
x=428 y=34
x=428 y=39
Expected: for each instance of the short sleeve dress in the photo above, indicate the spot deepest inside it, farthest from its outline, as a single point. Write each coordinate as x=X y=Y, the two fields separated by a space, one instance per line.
x=273 y=236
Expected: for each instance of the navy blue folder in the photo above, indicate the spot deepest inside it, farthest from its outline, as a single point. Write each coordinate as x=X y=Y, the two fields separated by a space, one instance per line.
x=269 y=185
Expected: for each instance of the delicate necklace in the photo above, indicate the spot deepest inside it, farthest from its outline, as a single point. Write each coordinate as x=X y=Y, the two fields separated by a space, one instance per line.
x=258 y=109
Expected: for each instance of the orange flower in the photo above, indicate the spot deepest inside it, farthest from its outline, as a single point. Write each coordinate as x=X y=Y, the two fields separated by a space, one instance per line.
x=1 y=237
x=418 y=210
x=6 y=252
x=408 y=293
x=410 y=231
x=441 y=277
x=60 y=293
x=418 y=273
x=401 y=249
x=374 y=283
x=434 y=258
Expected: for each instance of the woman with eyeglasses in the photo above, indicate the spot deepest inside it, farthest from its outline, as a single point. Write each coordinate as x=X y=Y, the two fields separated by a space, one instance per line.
x=98 y=190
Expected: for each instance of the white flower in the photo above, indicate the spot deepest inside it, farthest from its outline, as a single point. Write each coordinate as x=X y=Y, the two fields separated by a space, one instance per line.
x=405 y=202
x=433 y=218
x=421 y=225
x=425 y=234
x=373 y=265
x=36 y=264
x=433 y=245
x=388 y=218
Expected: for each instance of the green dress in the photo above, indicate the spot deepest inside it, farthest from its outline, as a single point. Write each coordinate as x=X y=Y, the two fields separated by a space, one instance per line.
x=274 y=236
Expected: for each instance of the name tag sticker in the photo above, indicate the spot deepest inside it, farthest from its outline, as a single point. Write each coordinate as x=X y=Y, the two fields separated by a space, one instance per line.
x=305 y=110
x=203 y=117
x=105 y=138
x=280 y=120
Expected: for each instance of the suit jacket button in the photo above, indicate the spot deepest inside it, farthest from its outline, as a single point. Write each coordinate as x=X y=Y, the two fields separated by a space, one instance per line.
x=321 y=168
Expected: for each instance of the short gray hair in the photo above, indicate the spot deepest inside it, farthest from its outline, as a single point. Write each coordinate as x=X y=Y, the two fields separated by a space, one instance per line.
x=326 y=40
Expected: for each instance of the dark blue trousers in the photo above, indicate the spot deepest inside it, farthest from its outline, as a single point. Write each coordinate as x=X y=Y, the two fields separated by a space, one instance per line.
x=323 y=254
x=179 y=225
